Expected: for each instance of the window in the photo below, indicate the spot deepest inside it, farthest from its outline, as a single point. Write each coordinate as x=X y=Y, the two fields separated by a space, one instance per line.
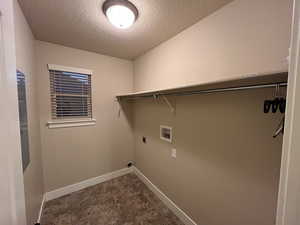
x=70 y=93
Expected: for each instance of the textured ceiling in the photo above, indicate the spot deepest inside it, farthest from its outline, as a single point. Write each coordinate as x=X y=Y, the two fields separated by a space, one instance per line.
x=81 y=23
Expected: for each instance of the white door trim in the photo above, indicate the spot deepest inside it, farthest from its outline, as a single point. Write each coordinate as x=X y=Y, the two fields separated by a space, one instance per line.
x=289 y=189
x=12 y=204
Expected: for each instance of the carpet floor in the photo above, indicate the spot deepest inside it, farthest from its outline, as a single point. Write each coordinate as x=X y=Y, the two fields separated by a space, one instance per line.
x=125 y=200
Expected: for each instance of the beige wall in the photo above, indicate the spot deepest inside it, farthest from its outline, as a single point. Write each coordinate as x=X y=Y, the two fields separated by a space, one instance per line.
x=242 y=37
x=227 y=165
x=33 y=175
x=71 y=155
x=227 y=161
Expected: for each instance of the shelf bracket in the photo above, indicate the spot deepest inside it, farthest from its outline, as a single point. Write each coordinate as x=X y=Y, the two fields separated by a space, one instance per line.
x=168 y=103
x=119 y=104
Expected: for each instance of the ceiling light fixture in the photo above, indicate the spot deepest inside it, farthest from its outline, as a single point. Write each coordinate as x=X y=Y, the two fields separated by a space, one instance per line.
x=120 y=13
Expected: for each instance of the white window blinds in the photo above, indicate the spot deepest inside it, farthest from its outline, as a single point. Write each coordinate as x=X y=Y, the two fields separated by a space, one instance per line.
x=70 y=94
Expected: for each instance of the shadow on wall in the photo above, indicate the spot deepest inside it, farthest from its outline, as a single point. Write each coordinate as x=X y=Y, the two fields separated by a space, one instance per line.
x=125 y=108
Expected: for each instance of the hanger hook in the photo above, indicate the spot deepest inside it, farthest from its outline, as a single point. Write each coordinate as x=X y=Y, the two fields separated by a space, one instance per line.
x=277 y=90
x=155 y=97
x=280 y=91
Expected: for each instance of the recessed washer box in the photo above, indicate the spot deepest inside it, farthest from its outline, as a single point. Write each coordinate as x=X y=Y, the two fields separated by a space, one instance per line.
x=166 y=133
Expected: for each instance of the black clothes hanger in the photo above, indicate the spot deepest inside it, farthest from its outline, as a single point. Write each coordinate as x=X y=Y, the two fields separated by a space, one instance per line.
x=282 y=105
x=267 y=105
x=280 y=128
x=274 y=105
x=278 y=103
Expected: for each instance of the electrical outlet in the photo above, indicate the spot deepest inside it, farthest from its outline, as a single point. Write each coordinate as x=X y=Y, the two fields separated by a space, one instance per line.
x=144 y=139
x=173 y=153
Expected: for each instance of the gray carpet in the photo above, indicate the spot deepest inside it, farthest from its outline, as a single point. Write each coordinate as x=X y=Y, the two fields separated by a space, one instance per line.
x=122 y=201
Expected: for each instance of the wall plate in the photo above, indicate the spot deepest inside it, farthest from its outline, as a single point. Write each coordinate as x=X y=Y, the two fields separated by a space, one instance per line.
x=166 y=133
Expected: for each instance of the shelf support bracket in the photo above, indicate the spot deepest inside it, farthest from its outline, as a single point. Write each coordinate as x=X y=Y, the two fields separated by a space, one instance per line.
x=119 y=104
x=172 y=109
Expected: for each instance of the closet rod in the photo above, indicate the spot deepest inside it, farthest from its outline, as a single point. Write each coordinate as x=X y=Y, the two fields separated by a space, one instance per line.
x=216 y=90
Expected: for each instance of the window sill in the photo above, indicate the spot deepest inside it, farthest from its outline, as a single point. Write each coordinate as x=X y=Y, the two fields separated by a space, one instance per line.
x=70 y=123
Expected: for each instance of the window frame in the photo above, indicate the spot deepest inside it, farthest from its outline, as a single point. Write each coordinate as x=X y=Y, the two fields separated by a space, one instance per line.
x=72 y=121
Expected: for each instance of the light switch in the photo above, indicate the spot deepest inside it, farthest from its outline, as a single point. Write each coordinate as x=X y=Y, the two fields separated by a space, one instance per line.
x=173 y=153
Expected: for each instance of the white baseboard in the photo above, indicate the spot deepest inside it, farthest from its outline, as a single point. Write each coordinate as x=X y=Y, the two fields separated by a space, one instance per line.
x=41 y=210
x=84 y=184
x=168 y=202
x=96 y=180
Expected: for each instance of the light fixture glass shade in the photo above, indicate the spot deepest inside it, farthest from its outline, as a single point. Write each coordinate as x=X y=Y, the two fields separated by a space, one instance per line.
x=120 y=16
x=120 y=13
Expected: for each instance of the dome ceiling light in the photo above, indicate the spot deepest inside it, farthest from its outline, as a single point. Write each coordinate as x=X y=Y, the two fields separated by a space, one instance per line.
x=120 y=13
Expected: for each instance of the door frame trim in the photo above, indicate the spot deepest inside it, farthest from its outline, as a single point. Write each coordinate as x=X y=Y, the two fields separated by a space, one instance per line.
x=12 y=205
x=289 y=186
